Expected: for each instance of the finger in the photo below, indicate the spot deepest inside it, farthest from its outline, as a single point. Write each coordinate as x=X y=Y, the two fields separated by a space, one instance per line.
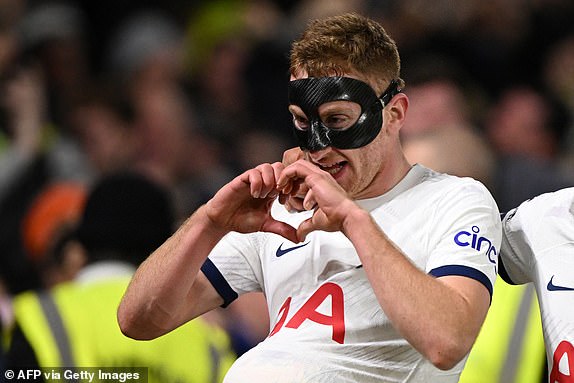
x=309 y=202
x=292 y=155
x=299 y=169
x=286 y=190
x=304 y=229
x=255 y=181
x=294 y=204
x=298 y=188
x=283 y=229
x=269 y=180
x=264 y=181
x=283 y=199
x=277 y=169
x=292 y=186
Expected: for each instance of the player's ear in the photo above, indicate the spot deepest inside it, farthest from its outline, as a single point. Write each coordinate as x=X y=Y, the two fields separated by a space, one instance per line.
x=396 y=110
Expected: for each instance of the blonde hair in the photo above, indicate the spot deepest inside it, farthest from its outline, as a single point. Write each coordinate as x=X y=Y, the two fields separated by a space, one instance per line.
x=343 y=44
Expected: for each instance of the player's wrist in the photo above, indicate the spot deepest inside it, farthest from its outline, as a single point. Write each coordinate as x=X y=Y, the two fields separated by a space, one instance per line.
x=208 y=223
x=355 y=219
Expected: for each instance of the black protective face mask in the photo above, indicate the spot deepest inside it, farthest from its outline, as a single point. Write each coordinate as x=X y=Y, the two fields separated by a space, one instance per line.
x=310 y=93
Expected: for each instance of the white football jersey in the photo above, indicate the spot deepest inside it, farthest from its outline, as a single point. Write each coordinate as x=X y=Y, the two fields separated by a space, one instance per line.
x=326 y=322
x=538 y=247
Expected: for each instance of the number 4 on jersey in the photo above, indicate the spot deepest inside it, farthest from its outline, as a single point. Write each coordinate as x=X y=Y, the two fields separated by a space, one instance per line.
x=309 y=311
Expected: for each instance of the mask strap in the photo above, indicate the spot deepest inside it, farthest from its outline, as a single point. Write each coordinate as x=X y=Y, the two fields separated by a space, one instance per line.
x=391 y=91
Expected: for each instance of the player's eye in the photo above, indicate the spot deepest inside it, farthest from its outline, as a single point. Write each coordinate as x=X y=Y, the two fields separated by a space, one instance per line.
x=340 y=114
x=338 y=122
x=300 y=122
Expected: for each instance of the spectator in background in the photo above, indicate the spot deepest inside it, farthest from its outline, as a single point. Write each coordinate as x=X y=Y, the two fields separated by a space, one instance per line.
x=522 y=129
x=558 y=71
x=174 y=150
x=523 y=122
x=24 y=126
x=51 y=218
x=457 y=151
x=443 y=96
x=103 y=121
x=74 y=324
x=146 y=50
x=53 y=38
x=172 y=144
x=36 y=92
x=558 y=77
x=526 y=130
x=441 y=131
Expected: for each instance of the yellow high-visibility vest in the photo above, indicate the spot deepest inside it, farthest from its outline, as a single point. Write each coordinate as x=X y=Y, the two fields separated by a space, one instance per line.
x=510 y=345
x=75 y=325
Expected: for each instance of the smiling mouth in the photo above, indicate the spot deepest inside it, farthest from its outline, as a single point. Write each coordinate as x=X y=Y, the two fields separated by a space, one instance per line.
x=333 y=169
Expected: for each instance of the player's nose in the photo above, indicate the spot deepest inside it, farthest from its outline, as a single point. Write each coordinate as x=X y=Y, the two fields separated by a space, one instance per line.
x=320 y=154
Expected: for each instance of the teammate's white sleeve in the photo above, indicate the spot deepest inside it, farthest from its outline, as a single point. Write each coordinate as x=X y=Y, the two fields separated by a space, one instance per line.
x=533 y=228
x=516 y=255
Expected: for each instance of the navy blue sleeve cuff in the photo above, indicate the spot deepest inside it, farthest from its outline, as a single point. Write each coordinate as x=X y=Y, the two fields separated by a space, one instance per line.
x=503 y=273
x=219 y=283
x=464 y=271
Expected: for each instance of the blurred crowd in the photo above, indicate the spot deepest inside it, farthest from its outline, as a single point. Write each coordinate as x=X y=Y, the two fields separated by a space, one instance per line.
x=190 y=93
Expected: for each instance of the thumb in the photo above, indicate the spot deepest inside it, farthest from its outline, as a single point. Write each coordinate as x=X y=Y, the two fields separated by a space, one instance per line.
x=304 y=228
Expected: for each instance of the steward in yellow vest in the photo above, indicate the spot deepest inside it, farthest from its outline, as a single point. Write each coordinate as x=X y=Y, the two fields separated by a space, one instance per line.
x=74 y=324
x=510 y=345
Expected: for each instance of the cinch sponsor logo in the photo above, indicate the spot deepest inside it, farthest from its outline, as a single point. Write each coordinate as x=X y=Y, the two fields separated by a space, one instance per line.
x=464 y=238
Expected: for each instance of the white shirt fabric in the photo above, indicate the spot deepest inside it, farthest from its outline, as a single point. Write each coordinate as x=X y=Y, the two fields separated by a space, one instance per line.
x=444 y=224
x=538 y=247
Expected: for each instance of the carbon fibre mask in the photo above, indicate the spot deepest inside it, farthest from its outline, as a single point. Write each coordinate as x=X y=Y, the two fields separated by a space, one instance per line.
x=310 y=93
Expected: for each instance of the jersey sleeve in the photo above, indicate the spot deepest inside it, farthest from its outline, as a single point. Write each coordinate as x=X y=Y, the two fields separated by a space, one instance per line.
x=234 y=267
x=516 y=254
x=534 y=229
x=467 y=234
